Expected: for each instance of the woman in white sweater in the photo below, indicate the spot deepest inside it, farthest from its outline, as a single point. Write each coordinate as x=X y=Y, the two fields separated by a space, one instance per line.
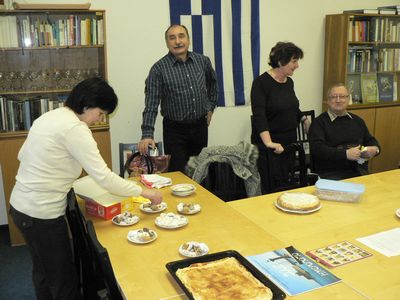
x=58 y=146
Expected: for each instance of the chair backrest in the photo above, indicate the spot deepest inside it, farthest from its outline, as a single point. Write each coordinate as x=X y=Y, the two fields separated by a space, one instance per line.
x=287 y=170
x=302 y=136
x=102 y=264
x=82 y=257
x=224 y=183
x=126 y=149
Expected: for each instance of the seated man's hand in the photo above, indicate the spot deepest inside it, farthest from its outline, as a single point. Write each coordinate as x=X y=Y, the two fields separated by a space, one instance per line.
x=353 y=153
x=144 y=145
x=371 y=151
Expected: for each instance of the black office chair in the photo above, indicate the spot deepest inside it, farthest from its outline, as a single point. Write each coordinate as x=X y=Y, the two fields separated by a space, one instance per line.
x=77 y=224
x=302 y=138
x=287 y=170
x=102 y=264
x=126 y=149
x=224 y=183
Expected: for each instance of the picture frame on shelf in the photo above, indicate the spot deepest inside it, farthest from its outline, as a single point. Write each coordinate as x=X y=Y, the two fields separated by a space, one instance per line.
x=386 y=86
x=353 y=84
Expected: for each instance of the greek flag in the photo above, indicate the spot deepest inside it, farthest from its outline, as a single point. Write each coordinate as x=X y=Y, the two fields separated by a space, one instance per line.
x=228 y=32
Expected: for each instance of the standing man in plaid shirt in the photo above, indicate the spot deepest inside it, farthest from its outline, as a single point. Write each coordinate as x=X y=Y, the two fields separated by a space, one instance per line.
x=185 y=85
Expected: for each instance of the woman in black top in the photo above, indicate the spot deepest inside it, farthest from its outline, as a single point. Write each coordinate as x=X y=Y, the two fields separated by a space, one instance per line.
x=275 y=107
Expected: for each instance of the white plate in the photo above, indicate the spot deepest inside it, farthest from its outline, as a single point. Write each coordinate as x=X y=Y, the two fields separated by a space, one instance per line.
x=398 y=212
x=183 y=190
x=133 y=237
x=188 y=253
x=167 y=221
x=126 y=219
x=195 y=210
x=301 y=212
x=162 y=206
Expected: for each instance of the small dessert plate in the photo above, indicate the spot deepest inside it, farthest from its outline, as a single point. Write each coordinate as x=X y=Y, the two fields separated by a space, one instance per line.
x=142 y=236
x=188 y=208
x=125 y=219
x=193 y=249
x=171 y=221
x=146 y=207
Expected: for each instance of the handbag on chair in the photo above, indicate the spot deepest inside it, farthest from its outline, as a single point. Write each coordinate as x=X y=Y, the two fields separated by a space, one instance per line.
x=138 y=164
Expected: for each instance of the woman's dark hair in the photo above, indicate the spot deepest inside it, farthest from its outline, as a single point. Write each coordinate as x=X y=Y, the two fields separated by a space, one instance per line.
x=91 y=93
x=282 y=53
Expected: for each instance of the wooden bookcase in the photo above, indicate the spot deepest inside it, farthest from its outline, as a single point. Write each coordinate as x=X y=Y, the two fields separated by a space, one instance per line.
x=358 y=46
x=43 y=54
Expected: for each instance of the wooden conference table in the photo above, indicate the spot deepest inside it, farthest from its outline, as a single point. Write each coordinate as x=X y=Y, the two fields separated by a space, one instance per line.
x=140 y=269
x=377 y=277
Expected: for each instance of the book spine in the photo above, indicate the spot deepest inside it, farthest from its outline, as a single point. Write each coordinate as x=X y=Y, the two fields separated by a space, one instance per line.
x=83 y=32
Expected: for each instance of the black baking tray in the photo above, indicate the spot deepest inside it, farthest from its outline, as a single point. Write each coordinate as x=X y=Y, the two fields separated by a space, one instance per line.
x=179 y=264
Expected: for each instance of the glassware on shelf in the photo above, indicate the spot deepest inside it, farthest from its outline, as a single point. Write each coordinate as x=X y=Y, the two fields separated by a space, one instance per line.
x=2 y=81
x=22 y=78
x=67 y=78
x=10 y=80
x=78 y=76
x=56 y=76
x=45 y=78
x=94 y=73
x=33 y=76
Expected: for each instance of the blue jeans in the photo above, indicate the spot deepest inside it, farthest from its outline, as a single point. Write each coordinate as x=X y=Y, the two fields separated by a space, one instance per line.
x=54 y=273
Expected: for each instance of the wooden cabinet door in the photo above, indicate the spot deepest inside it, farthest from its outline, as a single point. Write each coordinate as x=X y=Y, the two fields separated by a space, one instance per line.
x=9 y=164
x=368 y=115
x=387 y=132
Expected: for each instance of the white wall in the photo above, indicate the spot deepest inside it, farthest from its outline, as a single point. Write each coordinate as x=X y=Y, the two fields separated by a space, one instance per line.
x=135 y=40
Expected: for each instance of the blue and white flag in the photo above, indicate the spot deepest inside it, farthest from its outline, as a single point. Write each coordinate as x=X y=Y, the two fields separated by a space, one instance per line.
x=228 y=32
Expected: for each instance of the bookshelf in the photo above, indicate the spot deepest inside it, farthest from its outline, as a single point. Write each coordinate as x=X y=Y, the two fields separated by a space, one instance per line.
x=43 y=54
x=363 y=51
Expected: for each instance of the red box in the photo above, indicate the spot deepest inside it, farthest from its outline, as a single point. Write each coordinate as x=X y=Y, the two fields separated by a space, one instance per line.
x=98 y=210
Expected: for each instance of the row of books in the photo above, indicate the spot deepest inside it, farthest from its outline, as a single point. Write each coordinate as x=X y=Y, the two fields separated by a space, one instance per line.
x=18 y=114
x=372 y=87
x=368 y=59
x=51 y=31
x=8 y=32
x=384 y=30
x=383 y=10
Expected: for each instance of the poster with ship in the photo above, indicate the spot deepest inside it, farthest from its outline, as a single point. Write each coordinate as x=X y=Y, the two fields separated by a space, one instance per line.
x=292 y=271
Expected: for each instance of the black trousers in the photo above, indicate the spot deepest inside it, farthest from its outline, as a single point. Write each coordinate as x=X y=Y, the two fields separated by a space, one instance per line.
x=273 y=168
x=54 y=274
x=183 y=140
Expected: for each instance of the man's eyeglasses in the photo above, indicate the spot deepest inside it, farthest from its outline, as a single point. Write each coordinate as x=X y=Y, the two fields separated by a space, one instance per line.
x=341 y=97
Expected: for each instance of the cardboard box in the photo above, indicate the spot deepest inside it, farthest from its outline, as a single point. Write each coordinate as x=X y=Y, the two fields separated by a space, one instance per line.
x=102 y=211
x=98 y=201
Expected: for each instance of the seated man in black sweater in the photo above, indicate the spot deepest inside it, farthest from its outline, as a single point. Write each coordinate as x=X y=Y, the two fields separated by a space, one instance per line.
x=340 y=142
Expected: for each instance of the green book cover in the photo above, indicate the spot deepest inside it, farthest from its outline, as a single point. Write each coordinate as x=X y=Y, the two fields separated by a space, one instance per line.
x=369 y=88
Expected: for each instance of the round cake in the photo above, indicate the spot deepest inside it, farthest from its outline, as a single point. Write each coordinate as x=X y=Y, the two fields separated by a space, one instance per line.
x=298 y=201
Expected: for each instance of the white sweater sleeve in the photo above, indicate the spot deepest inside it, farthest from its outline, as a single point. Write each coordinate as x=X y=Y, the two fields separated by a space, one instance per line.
x=80 y=143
